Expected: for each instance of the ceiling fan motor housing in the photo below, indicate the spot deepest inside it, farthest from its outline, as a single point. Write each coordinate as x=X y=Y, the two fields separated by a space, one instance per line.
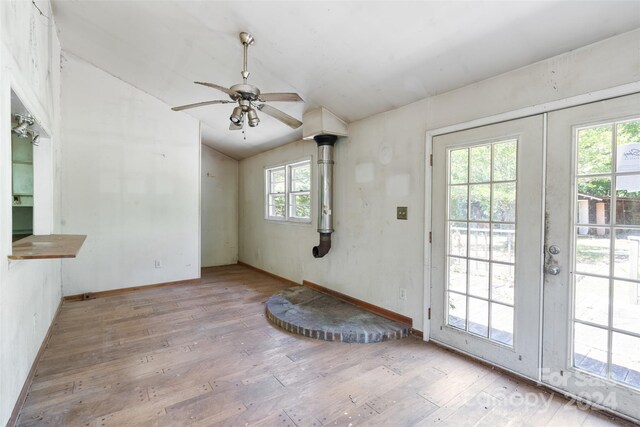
x=245 y=91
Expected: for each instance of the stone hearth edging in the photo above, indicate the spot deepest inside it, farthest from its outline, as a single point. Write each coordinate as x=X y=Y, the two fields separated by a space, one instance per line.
x=304 y=311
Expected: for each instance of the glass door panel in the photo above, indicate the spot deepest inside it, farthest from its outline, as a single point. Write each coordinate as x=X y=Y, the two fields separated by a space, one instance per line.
x=592 y=310
x=489 y=223
x=488 y=242
x=608 y=251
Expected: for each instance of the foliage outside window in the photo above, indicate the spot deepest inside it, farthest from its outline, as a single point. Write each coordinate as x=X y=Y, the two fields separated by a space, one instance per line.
x=288 y=189
x=606 y=229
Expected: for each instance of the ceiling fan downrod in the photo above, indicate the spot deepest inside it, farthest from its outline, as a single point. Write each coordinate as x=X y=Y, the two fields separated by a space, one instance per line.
x=247 y=92
x=246 y=39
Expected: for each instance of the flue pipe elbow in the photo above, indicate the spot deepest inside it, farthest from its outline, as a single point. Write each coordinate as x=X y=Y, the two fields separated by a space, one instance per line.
x=323 y=247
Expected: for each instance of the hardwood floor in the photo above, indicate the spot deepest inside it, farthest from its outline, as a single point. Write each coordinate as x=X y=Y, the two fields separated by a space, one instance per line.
x=204 y=354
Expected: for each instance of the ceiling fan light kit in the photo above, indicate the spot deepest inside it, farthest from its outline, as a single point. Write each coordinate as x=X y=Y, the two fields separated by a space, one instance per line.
x=236 y=116
x=249 y=98
x=252 y=116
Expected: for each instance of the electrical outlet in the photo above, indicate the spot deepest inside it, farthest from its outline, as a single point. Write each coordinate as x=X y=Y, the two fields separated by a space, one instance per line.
x=158 y=263
x=403 y=294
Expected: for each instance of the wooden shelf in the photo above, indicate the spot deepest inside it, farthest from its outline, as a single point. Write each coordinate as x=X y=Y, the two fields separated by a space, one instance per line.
x=48 y=246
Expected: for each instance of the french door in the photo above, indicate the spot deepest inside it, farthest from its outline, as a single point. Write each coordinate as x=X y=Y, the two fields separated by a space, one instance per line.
x=536 y=257
x=487 y=242
x=591 y=329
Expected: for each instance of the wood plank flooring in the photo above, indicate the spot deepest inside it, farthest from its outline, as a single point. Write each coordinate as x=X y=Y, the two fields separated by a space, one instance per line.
x=204 y=355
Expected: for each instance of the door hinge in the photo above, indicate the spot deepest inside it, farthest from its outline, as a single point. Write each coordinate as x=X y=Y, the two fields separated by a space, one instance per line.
x=429 y=237
x=429 y=313
x=430 y=159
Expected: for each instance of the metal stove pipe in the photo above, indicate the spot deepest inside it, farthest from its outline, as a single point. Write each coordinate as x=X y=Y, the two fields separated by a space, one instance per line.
x=325 y=193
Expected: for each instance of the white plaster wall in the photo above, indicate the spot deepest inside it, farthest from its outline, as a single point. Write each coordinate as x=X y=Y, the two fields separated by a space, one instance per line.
x=606 y=64
x=378 y=167
x=30 y=291
x=219 y=183
x=130 y=182
x=381 y=165
x=281 y=248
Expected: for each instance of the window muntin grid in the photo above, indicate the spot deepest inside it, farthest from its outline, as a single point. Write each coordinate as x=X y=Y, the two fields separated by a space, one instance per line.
x=481 y=239
x=300 y=191
x=288 y=192
x=606 y=235
x=276 y=193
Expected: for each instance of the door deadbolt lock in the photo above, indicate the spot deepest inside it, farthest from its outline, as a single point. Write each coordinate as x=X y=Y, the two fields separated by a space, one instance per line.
x=554 y=270
x=554 y=250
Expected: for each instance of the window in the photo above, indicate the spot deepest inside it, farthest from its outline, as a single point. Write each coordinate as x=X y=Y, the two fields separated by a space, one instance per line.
x=288 y=189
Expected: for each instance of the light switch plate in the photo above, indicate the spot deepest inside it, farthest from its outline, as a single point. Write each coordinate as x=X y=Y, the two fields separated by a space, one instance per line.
x=401 y=212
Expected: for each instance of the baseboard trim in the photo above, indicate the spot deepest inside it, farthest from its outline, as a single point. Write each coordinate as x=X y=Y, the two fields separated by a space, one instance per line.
x=13 y=419
x=391 y=315
x=121 y=291
x=416 y=333
x=275 y=276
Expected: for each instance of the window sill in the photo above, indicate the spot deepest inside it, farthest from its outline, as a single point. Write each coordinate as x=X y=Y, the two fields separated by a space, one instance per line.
x=287 y=221
x=48 y=246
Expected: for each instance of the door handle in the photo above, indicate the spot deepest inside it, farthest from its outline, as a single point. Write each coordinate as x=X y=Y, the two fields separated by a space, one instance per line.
x=554 y=270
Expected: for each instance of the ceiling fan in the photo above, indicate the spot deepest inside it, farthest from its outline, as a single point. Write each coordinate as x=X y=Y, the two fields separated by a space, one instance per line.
x=249 y=98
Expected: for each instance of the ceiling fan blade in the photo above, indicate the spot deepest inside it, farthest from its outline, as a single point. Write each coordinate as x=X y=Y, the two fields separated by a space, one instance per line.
x=201 y=104
x=280 y=97
x=233 y=126
x=215 y=86
x=280 y=115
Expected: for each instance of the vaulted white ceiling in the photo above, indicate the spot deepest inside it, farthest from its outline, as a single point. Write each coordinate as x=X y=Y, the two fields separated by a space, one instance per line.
x=357 y=58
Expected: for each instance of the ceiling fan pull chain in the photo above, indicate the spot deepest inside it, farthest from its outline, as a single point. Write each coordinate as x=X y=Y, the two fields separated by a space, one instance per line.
x=244 y=127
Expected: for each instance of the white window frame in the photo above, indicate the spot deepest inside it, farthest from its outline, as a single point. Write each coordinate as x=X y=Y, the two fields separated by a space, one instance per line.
x=289 y=194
